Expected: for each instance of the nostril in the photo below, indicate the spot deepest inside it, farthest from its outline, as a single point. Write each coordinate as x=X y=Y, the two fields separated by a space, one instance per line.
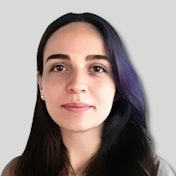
x=77 y=89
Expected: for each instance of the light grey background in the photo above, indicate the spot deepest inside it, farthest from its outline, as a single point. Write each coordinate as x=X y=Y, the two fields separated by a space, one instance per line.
x=148 y=29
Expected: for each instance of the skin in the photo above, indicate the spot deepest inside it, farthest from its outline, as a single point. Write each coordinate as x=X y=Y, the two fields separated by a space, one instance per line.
x=78 y=87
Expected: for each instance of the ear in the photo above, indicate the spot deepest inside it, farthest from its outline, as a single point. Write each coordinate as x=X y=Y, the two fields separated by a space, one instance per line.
x=39 y=80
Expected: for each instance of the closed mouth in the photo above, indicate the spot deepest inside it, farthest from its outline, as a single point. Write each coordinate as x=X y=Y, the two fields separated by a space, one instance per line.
x=76 y=107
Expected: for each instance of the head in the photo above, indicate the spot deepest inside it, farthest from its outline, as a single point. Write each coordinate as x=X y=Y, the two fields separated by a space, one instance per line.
x=77 y=82
x=126 y=83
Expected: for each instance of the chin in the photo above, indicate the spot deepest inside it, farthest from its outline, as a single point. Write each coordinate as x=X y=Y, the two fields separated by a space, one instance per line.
x=83 y=128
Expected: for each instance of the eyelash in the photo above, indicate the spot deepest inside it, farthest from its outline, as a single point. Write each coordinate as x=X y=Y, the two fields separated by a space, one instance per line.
x=95 y=68
x=58 y=66
x=98 y=69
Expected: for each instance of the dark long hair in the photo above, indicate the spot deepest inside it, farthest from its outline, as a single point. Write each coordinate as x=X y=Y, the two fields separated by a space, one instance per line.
x=126 y=146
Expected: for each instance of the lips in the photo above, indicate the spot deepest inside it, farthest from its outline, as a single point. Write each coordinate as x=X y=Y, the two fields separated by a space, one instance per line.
x=76 y=107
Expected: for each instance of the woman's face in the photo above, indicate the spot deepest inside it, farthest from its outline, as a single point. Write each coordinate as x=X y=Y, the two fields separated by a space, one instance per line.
x=77 y=82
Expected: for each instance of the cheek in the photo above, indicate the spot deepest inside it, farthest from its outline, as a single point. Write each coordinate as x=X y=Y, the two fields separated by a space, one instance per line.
x=107 y=90
x=106 y=95
x=105 y=102
x=52 y=91
x=51 y=87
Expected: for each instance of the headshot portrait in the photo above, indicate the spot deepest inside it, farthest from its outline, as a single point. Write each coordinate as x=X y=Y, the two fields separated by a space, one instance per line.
x=90 y=110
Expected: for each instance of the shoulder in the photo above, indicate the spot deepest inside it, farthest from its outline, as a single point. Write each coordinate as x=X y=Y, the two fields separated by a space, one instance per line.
x=164 y=169
x=9 y=169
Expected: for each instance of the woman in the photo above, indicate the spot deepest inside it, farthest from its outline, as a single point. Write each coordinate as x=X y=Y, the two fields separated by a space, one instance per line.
x=89 y=117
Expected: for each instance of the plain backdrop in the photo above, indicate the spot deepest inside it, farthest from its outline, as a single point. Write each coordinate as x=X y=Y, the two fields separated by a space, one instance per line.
x=148 y=30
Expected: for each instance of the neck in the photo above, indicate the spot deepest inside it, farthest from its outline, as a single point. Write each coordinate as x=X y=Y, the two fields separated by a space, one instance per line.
x=81 y=146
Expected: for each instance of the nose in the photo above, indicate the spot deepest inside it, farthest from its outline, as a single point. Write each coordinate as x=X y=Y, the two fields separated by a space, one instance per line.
x=77 y=83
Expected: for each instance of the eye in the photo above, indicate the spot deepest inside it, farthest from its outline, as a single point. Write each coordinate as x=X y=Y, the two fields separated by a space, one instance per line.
x=98 y=69
x=58 y=68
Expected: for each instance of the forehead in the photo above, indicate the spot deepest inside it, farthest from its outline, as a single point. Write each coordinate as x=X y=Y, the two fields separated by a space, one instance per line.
x=73 y=30
x=75 y=27
x=75 y=36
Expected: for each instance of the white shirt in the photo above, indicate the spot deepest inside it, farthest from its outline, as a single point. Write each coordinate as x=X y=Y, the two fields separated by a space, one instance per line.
x=164 y=168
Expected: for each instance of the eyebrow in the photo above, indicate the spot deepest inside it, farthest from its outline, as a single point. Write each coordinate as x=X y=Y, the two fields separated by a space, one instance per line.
x=57 y=56
x=67 y=57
